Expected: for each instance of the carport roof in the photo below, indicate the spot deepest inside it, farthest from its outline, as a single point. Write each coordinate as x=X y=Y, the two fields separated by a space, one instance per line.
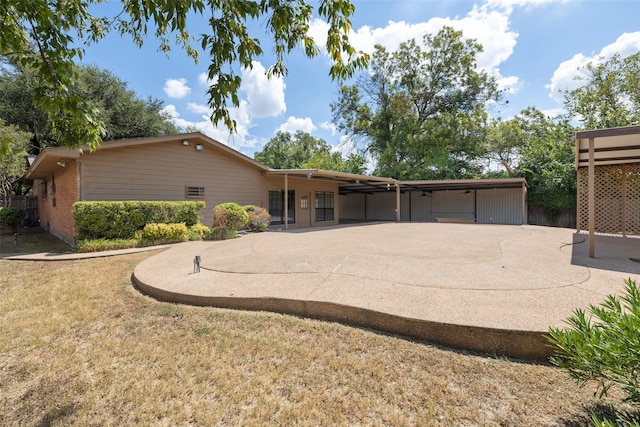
x=354 y=183
x=349 y=181
x=463 y=184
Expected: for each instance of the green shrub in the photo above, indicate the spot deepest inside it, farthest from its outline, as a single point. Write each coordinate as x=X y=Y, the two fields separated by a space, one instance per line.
x=98 y=245
x=11 y=217
x=259 y=218
x=120 y=220
x=231 y=216
x=603 y=345
x=198 y=232
x=163 y=233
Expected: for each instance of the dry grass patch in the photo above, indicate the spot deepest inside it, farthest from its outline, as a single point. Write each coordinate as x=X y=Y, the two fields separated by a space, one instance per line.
x=80 y=346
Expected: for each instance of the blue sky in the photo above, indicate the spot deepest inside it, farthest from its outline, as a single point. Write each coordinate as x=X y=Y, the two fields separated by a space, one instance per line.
x=533 y=47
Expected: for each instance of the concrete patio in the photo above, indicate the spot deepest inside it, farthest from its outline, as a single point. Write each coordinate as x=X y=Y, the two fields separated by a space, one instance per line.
x=488 y=288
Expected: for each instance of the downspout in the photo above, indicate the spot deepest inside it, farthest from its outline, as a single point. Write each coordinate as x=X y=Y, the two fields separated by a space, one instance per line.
x=397 y=201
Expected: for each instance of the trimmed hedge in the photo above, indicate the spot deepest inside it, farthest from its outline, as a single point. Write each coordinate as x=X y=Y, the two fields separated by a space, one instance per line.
x=121 y=220
x=163 y=233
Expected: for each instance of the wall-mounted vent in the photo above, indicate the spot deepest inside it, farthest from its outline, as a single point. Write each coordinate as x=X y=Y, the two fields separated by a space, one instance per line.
x=195 y=192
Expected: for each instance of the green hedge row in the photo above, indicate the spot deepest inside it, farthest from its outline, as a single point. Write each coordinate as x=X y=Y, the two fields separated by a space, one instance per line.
x=121 y=220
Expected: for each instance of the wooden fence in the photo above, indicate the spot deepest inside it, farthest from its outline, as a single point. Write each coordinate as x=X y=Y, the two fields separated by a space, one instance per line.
x=538 y=216
x=27 y=203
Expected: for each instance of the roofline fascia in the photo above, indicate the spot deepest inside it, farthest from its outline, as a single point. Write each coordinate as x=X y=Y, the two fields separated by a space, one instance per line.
x=329 y=174
x=106 y=145
x=119 y=143
x=606 y=132
x=65 y=152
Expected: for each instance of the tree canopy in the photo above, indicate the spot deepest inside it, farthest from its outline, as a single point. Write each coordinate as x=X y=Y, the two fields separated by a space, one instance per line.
x=539 y=149
x=14 y=162
x=46 y=37
x=421 y=110
x=303 y=151
x=124 y=115
x=610 y=96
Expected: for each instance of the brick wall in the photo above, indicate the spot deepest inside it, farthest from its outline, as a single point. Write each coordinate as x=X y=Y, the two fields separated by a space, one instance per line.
x=55 y=202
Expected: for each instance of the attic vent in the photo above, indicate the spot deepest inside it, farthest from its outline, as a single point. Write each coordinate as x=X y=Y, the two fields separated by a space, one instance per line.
x=195 y=192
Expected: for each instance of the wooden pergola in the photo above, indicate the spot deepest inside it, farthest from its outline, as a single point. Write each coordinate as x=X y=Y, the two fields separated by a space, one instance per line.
x=608 y=167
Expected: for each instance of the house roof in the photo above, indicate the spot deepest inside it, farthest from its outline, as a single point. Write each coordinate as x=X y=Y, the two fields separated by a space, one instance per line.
x=611 y=146
x=51 y=159
x=54 y=158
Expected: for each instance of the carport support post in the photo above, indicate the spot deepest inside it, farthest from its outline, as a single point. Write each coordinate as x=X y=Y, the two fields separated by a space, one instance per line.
x=592 y=198
x=397 y=202
x=286 y=202
x=524 y=204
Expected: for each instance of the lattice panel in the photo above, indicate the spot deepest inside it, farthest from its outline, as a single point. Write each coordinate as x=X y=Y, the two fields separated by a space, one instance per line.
x=612 y=214
x=633 y=199
x=583 y=199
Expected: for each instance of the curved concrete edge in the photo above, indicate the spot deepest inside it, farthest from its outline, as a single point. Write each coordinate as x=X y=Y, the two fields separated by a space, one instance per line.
x=517 y=344
x=52 y=256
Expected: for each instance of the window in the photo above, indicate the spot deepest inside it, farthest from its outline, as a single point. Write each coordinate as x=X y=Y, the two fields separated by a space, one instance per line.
x=276 y=206
x=195 y=192
x=324 y=206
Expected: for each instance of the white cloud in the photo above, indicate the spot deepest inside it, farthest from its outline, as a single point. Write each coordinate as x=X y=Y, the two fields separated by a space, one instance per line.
x=220 y=133
x=508 y=5
x=176 y=88
x=204 y=80
x=564 y=78
x=346 y=146
x=265 y=96
x=330 y=126
x=294 y=124
x=488 y=24
x=510 y=85
x=199 y=108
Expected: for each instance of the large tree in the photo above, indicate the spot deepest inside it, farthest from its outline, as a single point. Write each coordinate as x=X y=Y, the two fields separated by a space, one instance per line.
x=610 y=95
x=46 y=37
x=540 y=149
x=302 y=150
x=124 y=114
x=421 y=110
x=14 y=162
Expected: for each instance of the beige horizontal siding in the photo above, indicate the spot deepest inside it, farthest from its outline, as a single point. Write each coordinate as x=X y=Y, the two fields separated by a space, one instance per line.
x=163 y=171
x=304 y=185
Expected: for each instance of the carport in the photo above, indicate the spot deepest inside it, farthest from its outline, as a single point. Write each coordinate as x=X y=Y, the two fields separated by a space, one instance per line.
x=361 y=183
x=484 y=201
x=608 y=169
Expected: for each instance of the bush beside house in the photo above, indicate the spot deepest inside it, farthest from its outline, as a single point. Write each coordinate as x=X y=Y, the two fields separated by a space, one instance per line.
x=231 y=216
x=121 y=220
x=120 y=225
x=259 y=218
